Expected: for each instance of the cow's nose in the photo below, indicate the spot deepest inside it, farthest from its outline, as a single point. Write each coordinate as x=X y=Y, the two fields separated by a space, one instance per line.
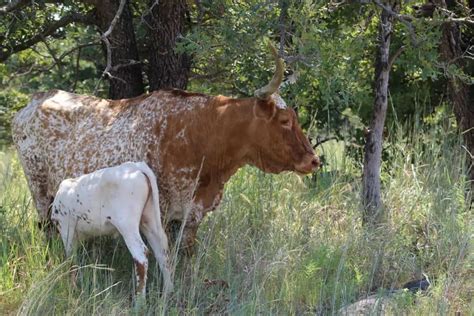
x=315 y=162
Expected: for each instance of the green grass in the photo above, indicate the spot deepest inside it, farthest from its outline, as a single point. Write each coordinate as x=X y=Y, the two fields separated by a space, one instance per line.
x=283 y=244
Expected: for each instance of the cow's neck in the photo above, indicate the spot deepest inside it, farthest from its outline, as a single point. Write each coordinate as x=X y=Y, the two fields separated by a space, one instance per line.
x=222 y=148
x=227 y=147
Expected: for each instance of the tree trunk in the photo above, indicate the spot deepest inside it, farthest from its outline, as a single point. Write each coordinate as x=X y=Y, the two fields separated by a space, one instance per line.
x=460 y=93
x=127 y=80
x=373 y=213
x=167 y=23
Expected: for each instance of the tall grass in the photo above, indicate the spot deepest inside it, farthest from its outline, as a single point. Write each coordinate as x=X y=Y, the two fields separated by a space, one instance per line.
x=276 y=245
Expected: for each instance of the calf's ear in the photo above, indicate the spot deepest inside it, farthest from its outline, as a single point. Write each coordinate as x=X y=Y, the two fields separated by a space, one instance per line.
x=264 y=109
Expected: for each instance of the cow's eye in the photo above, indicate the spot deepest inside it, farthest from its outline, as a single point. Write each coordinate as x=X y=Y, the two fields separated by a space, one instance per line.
x=286 y=123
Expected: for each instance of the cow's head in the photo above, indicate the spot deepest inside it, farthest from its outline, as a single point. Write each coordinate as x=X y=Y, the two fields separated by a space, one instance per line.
x=278 y=143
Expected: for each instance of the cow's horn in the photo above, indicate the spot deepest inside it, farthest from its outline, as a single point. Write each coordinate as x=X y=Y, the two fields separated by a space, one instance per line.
x=274 y=84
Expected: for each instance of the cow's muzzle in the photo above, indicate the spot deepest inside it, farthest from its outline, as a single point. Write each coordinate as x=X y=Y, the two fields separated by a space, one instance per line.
x=309 y=164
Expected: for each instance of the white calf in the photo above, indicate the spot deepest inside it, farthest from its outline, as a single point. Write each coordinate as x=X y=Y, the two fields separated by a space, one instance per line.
x=110 y=200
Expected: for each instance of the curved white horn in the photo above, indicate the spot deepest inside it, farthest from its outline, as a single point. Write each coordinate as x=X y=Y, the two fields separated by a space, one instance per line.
x=272 y=87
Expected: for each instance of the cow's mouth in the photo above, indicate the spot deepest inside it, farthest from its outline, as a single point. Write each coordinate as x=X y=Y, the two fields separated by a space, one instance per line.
x=308 y=165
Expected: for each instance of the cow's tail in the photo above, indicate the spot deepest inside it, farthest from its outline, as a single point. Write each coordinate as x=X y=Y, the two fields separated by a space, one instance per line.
x=163 y=259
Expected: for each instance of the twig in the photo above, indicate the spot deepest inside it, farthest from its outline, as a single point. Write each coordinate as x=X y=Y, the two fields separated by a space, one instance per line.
x=63 y=55
x=105 y=39
x=465 y=20
x=57 y=61
x=80 y=46
x=319 y=142
x=76 y=72
x=395 y=56
x=148 y=15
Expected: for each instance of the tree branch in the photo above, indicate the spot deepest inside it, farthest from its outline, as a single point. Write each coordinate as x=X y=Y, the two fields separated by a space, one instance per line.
x=13 y=5
x=319 y=141
x=395 y=56
x=59 y=59
x=76 y=72
x=104 y=38
x=49 y=30
x=405 y=19
x=57 y=62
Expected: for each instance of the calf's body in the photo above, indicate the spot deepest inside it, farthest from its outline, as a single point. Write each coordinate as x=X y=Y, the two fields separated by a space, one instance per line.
x=122 y=199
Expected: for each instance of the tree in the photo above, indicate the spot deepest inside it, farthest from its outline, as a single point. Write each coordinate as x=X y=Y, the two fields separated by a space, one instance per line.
x=456 y=53
x=373 y=146
x=166 y=26
x=123 y=68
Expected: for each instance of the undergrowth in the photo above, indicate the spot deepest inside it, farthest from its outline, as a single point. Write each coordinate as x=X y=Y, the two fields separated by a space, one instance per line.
x=278 y=244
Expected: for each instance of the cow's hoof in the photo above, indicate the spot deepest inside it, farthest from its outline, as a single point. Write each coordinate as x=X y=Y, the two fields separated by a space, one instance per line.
x=219 y=283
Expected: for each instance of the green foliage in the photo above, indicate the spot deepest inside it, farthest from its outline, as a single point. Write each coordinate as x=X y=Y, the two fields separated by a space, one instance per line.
x=35 y=70
x=10 y=102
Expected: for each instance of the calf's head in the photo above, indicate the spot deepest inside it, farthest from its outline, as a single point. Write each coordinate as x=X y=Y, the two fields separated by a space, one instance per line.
x=278 y=143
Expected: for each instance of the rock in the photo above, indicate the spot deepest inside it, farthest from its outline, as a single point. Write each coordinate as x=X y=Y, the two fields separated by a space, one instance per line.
x=372 y=305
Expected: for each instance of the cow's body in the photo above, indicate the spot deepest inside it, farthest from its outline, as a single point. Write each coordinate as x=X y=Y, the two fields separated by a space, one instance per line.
x=122 y=199
x=193 y=142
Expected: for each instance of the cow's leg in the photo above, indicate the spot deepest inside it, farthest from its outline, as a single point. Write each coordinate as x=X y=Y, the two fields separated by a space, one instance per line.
x=139 y=252
x=155 y=234
x=188 y=243
x=37 y=178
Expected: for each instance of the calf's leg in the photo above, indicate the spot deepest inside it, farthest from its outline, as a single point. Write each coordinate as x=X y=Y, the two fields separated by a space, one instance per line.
x=68 y=235
x=139 y=252
x=155 y=234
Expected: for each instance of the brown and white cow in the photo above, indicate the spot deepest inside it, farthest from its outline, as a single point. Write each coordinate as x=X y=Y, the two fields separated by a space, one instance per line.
x=193 y=142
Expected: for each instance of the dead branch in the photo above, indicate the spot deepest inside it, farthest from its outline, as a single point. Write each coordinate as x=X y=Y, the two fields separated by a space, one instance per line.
x=465 y=20
x=105 y=39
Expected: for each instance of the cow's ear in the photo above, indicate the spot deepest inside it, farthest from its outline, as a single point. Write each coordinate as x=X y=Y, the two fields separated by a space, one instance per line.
x=264 y=109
